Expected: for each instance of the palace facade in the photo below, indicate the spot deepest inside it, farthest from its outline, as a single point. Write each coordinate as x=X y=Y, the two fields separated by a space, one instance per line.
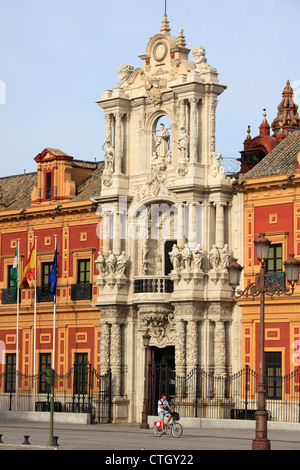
x=51 y=207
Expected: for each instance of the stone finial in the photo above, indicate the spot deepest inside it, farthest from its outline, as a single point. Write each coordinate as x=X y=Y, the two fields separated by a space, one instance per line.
x=181 y=39
x=165 y=25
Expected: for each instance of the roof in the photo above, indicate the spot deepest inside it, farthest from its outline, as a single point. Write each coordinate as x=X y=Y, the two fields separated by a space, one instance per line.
x=281 y=160
x=15 y=191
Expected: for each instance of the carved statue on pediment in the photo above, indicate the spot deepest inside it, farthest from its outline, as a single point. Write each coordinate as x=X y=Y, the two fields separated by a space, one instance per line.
x=225 y=256
x=216 y=169
x=111 y=263
x=199 y=58
x=175 y=257
x=214 y=257
x=125 y=72
x=100 y=263
x=186 y=256
x=198 y=257
x=121 y=263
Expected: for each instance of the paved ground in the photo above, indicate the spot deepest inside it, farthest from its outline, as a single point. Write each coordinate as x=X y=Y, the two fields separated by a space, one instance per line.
x=130 y=438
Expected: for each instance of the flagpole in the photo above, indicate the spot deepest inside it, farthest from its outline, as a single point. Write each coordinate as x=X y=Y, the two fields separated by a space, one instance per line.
x=34 y=327
x=18 y=307
x=54 y=315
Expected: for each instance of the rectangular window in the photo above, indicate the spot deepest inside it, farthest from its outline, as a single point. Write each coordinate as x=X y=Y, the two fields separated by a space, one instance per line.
x=273 y=375
x=10 y=376
x=84 y=267
x=45 y=363
x=10 y=284
x=48 y=190
x=275 y=258
x=46 y=269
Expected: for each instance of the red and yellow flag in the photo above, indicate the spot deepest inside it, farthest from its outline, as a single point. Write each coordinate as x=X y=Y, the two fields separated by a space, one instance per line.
x=29 y=270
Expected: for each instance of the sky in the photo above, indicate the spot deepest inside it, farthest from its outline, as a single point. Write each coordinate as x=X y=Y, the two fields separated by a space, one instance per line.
x=58 y=56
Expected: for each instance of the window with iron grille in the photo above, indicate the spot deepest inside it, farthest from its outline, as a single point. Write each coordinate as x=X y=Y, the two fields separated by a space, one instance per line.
x=45 y=363
x=10 y=376
x=81 y=370
x=273 y=375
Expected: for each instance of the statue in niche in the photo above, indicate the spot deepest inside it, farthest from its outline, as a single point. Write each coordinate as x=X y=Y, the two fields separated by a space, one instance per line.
x=162 y=156
x=198 y=257
x=111 y=263
x=214 y=257
x=109 y=157
x=100 y=263
x=175 y=257
x=183 y=144
x=225 y=255
x=121 y=263
x=186 y=256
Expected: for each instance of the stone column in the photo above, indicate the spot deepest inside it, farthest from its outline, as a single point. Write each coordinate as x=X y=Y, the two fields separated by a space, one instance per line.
x=220 y=358
x=116 y=233
x=194 y=130
x=108 y=135
x=180 y=358
x=107 y=235
x=191 y=345
x=118 y=144
x=192 y=224
x=180 y=226
x=220 y=223
x=105 y=348
x=115 y=358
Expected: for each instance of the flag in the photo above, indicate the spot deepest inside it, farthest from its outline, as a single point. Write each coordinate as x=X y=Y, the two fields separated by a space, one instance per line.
x=53 y=275
x=14 y=273
x=29 y=270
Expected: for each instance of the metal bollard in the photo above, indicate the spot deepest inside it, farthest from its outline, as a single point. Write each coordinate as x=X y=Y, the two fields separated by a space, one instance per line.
x=55 y=443
x=26 y=440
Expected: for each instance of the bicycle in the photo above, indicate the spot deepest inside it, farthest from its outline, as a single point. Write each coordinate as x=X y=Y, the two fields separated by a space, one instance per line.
x=175 y=427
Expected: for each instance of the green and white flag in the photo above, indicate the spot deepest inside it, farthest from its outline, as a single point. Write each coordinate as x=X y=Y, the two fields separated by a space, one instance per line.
x=14 y=273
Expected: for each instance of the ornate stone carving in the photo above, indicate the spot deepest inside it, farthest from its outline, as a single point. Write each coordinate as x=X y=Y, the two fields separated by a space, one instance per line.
x=159 y=322
x=225 y=256
x=124 y=72
x=154 y=91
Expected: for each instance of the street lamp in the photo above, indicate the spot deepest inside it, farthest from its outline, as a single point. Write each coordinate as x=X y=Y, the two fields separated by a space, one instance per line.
x=146 y=342
x=263 y=285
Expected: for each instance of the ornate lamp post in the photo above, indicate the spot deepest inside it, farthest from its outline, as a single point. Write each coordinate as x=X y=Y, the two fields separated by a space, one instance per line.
x=146 y=342
x=262 y=286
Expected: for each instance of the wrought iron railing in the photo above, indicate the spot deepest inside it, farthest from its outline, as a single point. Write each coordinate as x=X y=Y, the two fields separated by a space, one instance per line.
x=81 y=291
x=81 y=390
x=203 y=395
x=8 y=296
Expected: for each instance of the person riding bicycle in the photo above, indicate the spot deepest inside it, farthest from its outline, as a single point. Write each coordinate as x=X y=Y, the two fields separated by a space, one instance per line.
x=164 y=409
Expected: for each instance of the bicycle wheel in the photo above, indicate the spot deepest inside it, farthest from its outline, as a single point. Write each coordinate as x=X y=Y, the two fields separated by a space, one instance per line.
x=157 y=431
x=177 y=430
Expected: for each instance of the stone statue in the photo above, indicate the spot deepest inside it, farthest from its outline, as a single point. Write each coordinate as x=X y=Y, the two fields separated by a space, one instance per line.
x=214 y=257
x=111 y=263
x=124 y=72
x=121 y=263
x=175 y=257
x=100 y=263
x=186 y=256
x=198 y=256
x=162 y=142
x=183 y=144
x=225 y=255
x=199 y=58
x=109 y=154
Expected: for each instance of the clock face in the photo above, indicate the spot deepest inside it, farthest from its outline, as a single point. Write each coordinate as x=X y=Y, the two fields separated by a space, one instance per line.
x=160 y=51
